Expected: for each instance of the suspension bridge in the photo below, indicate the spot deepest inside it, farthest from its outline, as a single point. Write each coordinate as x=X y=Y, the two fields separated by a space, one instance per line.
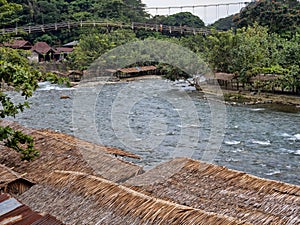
x=198 y=6
x=220 y=8
x=43 y=28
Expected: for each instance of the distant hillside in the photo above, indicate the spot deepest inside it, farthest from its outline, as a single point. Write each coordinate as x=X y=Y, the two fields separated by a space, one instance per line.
x=280 y=16
x=178 y=19
x=224 y=23
x=51 y=11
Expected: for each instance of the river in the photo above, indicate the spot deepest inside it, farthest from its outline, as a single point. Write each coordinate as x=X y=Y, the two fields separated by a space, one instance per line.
x=260 y=140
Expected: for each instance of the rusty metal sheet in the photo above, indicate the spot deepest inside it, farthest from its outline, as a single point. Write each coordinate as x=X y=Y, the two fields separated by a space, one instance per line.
x=9 y=205
x=47 y=220
x=3 y=197
x=14 y=212
x=22 y=215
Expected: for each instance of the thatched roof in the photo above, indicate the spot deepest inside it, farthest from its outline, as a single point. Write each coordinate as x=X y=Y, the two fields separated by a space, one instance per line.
x=69 y=140
x=8 y=178
x=7 y=175
x=264 y=77
x=225 y=76
x=217 y=189
x=65 y=152
x=75 y=187
x=78 y=198
x=137 y=69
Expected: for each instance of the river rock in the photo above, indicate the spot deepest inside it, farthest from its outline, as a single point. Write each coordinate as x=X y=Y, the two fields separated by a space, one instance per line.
x=64 y=97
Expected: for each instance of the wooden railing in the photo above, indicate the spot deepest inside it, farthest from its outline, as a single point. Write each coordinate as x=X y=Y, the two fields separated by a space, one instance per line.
x=78 y=24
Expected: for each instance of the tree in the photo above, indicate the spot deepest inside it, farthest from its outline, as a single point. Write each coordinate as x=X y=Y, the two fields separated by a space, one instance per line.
x=184 y=19
x=280 y=16
x=224 y=23
x=92 y=46
x=251 y=48
x=8 y=13
x=16 y=72
x=219 y=46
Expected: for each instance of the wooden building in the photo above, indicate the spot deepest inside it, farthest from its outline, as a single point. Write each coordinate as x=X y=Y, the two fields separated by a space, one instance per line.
x=134 y=71
x=62 y=53
x=42 y=52
x=19 y=44
x=75 y=75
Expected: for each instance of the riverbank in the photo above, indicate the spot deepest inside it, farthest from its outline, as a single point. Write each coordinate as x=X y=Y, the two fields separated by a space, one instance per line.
x=291 y=102
x=232 y=97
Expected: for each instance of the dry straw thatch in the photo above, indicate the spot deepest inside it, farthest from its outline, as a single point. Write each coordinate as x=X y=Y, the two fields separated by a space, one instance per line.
x=64 y=152
x=12 y=182
x=217 y=189
x=71 y=140
x=106 y=202
x=182 y=191
x=7 y=175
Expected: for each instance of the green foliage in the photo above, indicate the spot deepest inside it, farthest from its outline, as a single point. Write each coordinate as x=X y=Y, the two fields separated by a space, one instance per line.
x=251 y=48
x=183 y=19
x=48 y=38
x=20 y=142
x=219 y=46
x=224 y=24
x=16 y=72
x=250 y=52
x=54 y=79
x=8 y=12
x=52 y=11
x=93 y=45
x=279 y=16
x=196 y=43
x=172 y=73
x=276 y=69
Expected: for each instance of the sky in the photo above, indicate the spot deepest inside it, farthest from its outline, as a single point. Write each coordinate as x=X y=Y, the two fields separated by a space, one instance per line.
x=208 y=14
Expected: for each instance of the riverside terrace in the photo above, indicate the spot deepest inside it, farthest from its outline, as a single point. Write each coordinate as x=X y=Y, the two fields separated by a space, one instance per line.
x=101 y=187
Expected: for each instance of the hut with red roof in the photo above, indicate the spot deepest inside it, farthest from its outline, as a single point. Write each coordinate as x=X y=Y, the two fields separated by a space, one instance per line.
x=42 y=52
x=19 y=44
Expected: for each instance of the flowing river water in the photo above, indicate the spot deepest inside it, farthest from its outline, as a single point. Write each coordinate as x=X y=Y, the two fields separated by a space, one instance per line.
x=260 y=140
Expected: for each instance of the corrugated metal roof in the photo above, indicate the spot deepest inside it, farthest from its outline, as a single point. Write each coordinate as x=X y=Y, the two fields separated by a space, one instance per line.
x=8 y=205
x=64 y=49
x=71 y=44
x=14 y=212
x=47 y=220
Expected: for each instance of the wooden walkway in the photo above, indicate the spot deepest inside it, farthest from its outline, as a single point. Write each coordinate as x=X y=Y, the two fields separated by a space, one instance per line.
x=43 y=28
